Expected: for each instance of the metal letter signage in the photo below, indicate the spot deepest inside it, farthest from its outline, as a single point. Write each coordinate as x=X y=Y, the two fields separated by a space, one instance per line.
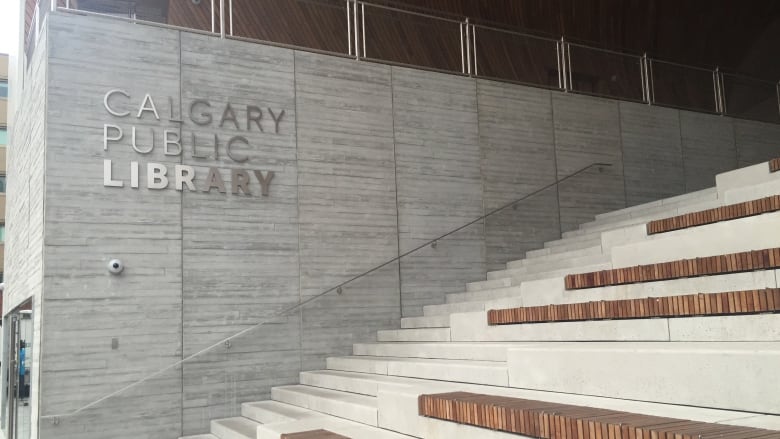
x=169 y=141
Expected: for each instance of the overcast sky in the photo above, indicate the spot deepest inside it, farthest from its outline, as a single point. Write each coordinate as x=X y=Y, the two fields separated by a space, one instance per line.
x=8 y=25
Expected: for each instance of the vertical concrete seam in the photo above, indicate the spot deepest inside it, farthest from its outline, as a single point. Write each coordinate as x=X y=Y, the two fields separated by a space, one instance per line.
x=555 y=164
x=481 y=181
x=298 y=210
x=682 y=151
x=397 y=209
x=37 y=384
x=622 y=154
x=181 y=242
x=736 y=145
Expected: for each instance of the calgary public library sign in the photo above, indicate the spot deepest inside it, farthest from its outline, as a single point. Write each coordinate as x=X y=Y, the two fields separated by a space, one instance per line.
x=203 y=114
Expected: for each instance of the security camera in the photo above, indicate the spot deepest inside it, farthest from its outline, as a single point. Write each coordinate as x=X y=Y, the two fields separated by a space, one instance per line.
x=196 y=2
x=115 y=266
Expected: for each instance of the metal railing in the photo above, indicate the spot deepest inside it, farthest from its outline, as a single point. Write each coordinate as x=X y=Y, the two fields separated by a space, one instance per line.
x=456 y=46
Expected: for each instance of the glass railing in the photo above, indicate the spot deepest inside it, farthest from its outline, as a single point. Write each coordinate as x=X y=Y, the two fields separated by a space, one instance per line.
x=396 y=35
x=216 y=372
x=751 y=98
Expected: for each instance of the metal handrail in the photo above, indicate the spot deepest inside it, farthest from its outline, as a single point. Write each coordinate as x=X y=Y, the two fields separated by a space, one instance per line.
x=337 y=288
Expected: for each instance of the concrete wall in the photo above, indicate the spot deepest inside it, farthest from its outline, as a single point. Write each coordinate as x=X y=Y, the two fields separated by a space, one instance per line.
x=370 y=161
x=24 y=243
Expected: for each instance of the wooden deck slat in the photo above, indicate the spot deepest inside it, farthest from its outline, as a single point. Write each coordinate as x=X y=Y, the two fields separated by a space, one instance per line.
x=547 y=420
x=690 y=305
x=774 y=165
x=718 y=214
x=724 y=264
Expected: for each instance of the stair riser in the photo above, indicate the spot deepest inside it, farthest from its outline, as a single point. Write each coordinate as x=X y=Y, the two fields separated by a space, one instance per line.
x=554 y=258
x=716 y=377
x=440 y=351
x=425 y=322
x=434 y=334
x=330 y=406
x=489 y=375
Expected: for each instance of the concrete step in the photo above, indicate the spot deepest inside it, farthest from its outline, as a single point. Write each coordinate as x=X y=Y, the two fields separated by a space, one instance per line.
x=702 y=195
x=424 y=334
x=728 y=376
x=353 y=382
x=234 y=428
x=333 y=424
x=488 y=284
x=518 y=276
x=450 y=308
x=446 y=351
x=571 y=243
x=269 y=412
x=483 y=296
x=358 y=408
x=463 y=371
x=650 y=216
x=554 y=265
x=200 y=436
x=555 y=257
x=473 y=327
x=441 y=321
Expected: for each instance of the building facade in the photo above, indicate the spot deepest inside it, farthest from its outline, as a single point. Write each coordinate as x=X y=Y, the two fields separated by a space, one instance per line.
x=170 y=189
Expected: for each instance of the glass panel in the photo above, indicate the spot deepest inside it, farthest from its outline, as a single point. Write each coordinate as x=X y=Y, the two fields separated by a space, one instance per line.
x=751 y=98
x=604 y=73
x=2 y=183
x=3 y=136
x=682 y=86
x=407 y=38
x=522 y=58
x=3 y=89
x=315 y=24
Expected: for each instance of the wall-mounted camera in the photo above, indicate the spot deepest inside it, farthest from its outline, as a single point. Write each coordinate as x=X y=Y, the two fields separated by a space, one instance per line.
x=115 y=266
x=195 y=2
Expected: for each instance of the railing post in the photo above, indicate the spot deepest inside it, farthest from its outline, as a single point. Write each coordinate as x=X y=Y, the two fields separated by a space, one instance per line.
x=474 y=41
x=720 y=98
x=230 y=14
x=356 y=28
x=462 y=52
x=213 y=18
x=363 y=26
x=222 y=18
x=53 y=5
x=777 y=89
x=564 y=64
x=349 y=27
x=468 y=47
x=647 y=78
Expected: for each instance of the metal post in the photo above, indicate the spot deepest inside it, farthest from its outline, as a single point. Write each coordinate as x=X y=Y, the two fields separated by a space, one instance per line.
x=715 y=93
x=468 y=47
x=474 y=40
x=777 y=87
x=222 y=18
x=643 y=77
x=363 y=26
x=564 y=65
x=651 y=80
x=230 y=9
x=724 y=104
x=568 y=66
x=213 y=19
x=357 y=31
x=462 y=53
x=558 y=59
x=349 y=27
x=53 y=5
x=67 y=4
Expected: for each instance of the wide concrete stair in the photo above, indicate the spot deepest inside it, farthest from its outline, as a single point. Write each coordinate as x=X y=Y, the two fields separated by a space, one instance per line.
x=705 y=365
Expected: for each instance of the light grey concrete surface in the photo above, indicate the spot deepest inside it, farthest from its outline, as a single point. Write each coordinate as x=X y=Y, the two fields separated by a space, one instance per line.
x=601 y=370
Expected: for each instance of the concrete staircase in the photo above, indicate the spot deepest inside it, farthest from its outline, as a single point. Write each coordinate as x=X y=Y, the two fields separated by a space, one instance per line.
x=719 y=369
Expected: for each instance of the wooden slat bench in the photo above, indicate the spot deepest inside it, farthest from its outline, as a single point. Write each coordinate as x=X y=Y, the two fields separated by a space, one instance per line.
x=774 y=165
x=547 y=420
x=709 y=216
x=711 y=304
x=706 y=266
x=314 y=434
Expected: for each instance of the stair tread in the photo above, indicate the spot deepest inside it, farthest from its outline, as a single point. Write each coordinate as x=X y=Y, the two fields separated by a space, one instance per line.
x=425 y=360
x=337 y=395
x=238 y=425
x=334 y=424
